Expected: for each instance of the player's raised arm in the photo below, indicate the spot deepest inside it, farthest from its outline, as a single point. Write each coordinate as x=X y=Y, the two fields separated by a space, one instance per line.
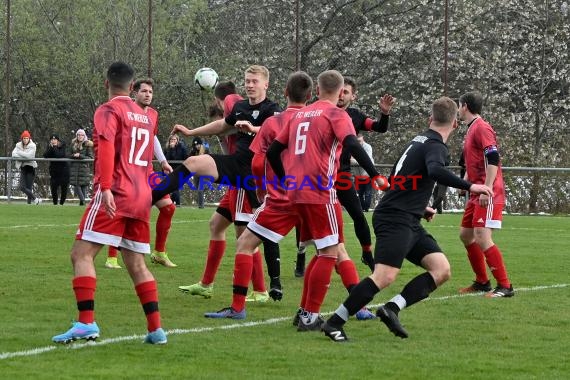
x=381 y=125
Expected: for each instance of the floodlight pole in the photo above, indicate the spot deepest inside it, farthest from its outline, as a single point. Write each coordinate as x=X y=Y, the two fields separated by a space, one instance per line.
x=297 y=26
x=149 y=59
x=7 y=95
x=445 y=46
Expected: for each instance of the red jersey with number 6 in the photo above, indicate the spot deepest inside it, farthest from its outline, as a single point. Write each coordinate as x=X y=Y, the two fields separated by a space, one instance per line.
x=122 y=121
x=314 y=137
x=481 y=139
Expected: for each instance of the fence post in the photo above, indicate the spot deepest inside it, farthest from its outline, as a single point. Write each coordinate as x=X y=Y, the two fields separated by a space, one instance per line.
x=9 y=180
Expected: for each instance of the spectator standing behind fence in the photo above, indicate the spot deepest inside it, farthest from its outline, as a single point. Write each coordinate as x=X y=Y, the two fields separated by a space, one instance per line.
x=199 y=148
x=176 y=150
x=26 y=148
x=58 y=171
x=362 y=180
x=81 y=149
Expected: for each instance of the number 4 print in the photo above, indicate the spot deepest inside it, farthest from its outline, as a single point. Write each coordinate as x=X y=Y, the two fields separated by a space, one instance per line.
x=401 y=161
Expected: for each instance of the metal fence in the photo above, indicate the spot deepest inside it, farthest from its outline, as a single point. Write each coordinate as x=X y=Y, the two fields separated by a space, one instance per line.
x=529 y=189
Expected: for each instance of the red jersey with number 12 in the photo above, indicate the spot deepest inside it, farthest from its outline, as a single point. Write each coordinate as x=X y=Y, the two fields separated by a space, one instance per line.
x=480 y=139
x=314 y=139
x=123 y=122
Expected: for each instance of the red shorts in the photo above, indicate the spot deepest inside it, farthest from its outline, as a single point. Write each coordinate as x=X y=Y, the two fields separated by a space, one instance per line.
x=237 y=202
x=320 y=224
x=476 y=216
x=225 y=201
x=129 y=233
x=273 y=223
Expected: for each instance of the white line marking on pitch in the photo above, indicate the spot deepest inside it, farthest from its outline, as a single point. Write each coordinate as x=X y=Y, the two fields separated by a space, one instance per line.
x=102 y=342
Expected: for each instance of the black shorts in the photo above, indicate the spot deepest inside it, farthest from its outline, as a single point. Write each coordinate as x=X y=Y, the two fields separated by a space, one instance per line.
x=232 y=168
x=398 y=239
x=235 y=169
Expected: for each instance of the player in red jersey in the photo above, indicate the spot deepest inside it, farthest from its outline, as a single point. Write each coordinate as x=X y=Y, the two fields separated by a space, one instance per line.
x=143 y=92
x=482 y=213
x=314 y=137
x=119 y=212
x=271 y=220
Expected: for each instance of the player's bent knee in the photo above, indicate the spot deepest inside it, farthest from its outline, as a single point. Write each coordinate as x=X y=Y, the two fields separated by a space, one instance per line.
x=168 y=210
x=247 y=242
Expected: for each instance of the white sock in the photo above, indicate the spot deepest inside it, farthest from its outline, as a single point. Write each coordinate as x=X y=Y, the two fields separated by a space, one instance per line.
x=400 y=301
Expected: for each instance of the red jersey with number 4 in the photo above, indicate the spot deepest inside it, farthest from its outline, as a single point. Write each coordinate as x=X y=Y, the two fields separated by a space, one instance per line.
x=121 y=120
x=314 y=137
x=480 y=139
x=269 y=130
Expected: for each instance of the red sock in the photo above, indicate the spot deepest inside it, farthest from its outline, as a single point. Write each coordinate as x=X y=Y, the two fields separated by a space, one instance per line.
x=163 y=224
x=319 y=282
x=348 y=274
x=84 y=289
x=112 y=252
x=497 y=266
x=477 y=259
x=367 y=248
x=148 y=296
x=216 y=251
x=257 y=275
x=308 y=270
x=242 y=274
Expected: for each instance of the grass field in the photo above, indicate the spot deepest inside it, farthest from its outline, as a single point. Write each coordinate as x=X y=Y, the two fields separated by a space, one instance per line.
x=451 y=337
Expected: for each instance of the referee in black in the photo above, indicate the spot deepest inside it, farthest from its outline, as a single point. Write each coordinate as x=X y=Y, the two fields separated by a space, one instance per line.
x=399 y=233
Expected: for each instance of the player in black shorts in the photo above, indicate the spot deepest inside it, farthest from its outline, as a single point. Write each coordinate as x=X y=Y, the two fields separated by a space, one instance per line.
x=348 y=197
x=247 y=116
x=399 y=233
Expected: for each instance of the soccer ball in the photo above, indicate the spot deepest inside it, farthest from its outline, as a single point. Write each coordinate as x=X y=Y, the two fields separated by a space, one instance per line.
x=206 y=78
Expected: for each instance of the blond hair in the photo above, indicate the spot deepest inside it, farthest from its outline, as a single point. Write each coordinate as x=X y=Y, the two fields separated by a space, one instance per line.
x=258 y=69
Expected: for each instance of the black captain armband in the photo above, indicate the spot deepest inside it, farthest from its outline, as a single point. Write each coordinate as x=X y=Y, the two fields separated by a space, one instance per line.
x=492 y=155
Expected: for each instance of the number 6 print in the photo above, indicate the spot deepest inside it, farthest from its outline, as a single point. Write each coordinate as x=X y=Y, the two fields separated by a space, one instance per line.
x=301 y=138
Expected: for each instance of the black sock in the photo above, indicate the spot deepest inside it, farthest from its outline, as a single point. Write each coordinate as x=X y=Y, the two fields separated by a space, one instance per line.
x=170 y=183
x=336 y=321
x=392 y=306
x=418 y=289
x=272 y=260
x=360 y=295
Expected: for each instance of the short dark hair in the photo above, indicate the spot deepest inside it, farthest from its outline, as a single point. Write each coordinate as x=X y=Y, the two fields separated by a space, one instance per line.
x=120 y=75
x=139 y=82
x=299 y=86
x=443 y=110
x=214 y=112
x=350 y=82
x=224 y=89
x=473 y=100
